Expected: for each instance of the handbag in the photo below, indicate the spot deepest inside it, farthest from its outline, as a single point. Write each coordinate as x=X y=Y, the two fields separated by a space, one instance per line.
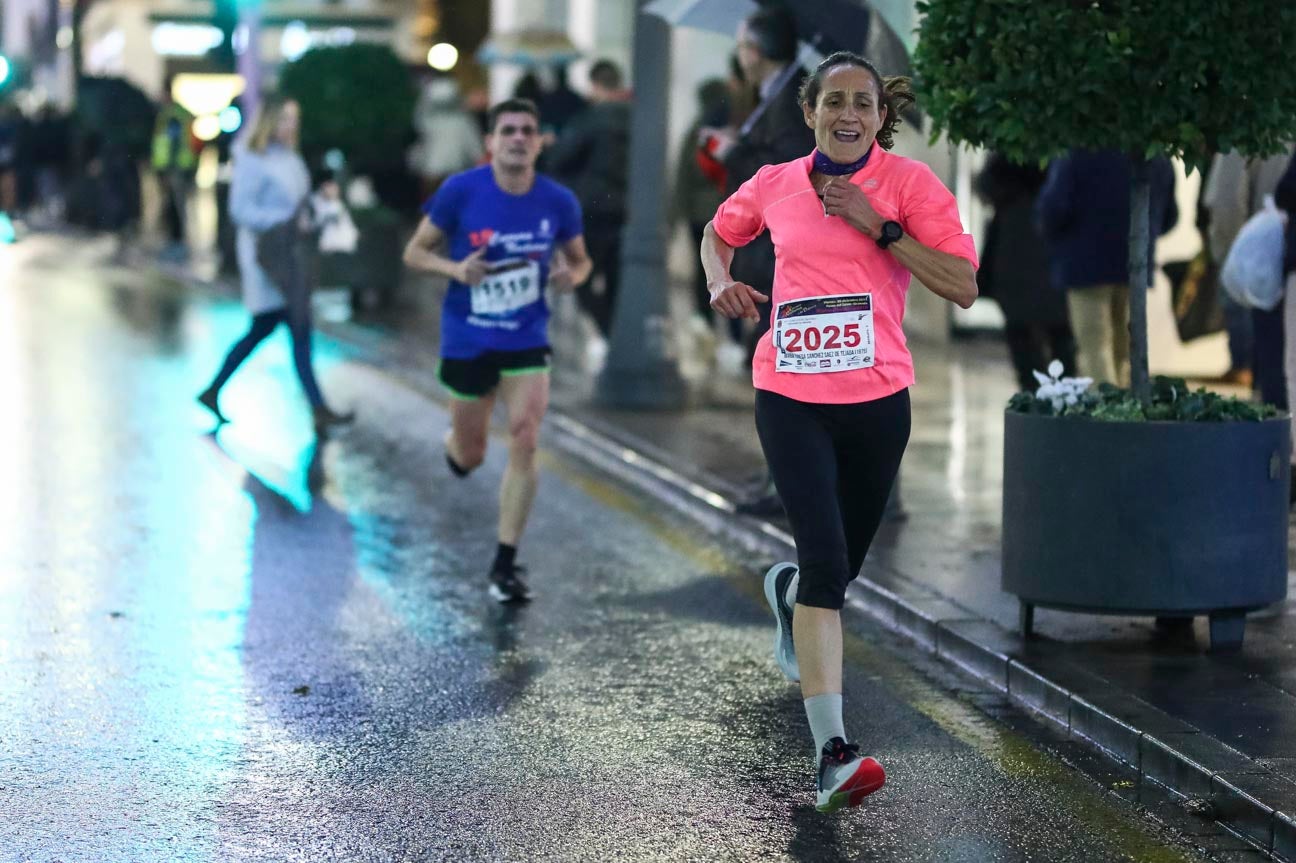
x=1253 y=270
x=279 y=254
x=1195 y=296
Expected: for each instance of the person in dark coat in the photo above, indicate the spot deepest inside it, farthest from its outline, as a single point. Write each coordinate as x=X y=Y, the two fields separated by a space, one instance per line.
x=590 y=158
x=1083 y=211
x=120 y=193
x=560 y=104
x=528 y=87
x=10 y=130
x=774 y=132
x=699 y=191
x=1015 y=272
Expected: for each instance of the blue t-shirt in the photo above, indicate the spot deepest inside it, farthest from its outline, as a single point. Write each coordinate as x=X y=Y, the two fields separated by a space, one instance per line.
x=507 y=311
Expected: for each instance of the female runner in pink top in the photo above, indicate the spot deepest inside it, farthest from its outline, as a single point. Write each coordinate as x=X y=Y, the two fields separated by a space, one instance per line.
x=851 y=224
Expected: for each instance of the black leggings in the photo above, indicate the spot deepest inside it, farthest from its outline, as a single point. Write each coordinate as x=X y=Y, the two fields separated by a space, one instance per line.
x=299 y=325
x=833 y=466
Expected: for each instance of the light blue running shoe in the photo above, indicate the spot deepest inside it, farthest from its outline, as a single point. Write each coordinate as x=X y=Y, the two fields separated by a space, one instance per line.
x=779 y=582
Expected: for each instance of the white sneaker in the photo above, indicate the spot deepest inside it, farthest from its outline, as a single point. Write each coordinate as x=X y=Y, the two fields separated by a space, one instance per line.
x=780 y=582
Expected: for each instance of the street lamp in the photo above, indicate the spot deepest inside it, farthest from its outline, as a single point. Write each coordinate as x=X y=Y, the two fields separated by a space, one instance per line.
x=443 y=56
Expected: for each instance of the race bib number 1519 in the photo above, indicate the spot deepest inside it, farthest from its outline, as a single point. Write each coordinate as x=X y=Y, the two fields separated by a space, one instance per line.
x=509 y=286
x=824 y=334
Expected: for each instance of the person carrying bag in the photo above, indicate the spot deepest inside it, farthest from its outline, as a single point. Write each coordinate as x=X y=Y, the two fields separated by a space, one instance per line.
x=268 y=196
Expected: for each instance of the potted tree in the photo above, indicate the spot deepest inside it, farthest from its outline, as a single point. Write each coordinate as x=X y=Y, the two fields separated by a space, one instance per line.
x=1157 y=501
x=359 y=100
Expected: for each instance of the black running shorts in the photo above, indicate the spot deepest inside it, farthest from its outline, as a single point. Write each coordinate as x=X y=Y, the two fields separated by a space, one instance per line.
x=474 y=378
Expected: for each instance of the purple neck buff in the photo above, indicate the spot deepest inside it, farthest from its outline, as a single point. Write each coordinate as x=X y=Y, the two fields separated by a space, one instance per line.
x=824 y=165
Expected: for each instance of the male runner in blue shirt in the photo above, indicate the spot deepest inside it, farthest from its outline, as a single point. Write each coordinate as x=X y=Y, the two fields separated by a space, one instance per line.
x=493 y=231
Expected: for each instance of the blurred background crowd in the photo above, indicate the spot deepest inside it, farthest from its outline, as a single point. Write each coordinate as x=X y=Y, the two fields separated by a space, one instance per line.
x=121 y=116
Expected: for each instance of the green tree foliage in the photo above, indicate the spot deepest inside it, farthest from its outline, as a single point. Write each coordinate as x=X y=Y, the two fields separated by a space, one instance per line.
x=358 y=98
x=1032 y=78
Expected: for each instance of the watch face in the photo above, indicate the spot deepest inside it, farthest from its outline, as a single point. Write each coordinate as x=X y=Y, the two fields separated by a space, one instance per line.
x=891 y=231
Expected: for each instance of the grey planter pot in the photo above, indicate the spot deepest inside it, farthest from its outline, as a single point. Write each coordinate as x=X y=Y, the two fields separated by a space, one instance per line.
x=1171 y=520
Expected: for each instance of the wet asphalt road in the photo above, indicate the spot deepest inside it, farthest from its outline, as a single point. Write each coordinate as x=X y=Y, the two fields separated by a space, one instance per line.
x=253 y=646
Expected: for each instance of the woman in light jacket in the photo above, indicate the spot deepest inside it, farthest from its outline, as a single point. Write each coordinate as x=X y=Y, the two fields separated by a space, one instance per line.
x=269 y=187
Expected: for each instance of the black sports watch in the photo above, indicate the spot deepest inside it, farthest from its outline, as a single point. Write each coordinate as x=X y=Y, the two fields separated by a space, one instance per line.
x=891 y=231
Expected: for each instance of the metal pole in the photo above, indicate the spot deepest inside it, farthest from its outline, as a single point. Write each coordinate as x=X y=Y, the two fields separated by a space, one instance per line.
x=641 y=371
x=1140 y=195
x=76 y=142
x=248 y=63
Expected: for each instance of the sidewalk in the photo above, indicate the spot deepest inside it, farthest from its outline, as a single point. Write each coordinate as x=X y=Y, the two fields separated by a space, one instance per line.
x=1219 y=730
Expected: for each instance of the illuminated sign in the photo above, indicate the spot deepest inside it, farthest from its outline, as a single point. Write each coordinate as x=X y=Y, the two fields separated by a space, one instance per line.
x=206 y=94
x=185 y=40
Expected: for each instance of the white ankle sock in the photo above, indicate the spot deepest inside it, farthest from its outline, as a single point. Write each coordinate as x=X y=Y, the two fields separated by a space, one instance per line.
x=825 y=715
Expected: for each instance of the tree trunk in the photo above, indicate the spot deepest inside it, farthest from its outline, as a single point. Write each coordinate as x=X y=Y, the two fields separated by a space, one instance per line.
x=1140 y=197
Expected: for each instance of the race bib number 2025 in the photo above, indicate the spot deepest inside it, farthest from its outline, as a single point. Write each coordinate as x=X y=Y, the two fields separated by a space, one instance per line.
x=824 y=334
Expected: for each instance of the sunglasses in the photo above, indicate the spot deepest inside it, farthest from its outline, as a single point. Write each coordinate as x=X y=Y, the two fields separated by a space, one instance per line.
x=525 y=131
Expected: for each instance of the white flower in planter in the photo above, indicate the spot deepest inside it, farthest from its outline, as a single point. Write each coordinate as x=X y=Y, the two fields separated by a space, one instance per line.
x=1059 y=391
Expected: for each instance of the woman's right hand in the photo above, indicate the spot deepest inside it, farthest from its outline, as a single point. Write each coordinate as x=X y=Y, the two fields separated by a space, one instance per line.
x=472 y=269
x=735 y=299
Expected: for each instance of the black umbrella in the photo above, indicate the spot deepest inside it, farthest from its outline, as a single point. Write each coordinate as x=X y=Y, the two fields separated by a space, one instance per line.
x=824 y=25
x=830 y=25
x=848 y=25
x=117 y=112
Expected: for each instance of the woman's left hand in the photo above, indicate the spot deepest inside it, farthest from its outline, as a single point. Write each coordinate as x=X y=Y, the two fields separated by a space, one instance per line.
x=843 y=198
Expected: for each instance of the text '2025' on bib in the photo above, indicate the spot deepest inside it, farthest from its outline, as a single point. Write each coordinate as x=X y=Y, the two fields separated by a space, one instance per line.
x=824 y=334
